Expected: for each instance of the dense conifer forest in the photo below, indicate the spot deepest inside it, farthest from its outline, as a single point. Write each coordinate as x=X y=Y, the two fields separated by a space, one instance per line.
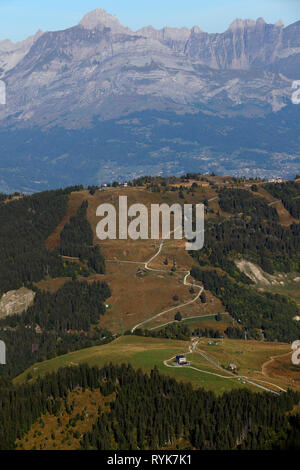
x=238 y=201
x=56 y=324
x=153 y=412
x=288 y=193
x=25 y=224
x=272 y=246
x=75 y=306
x=77 y=240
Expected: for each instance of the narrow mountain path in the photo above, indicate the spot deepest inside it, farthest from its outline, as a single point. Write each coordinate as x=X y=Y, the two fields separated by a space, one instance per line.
x=270 y=361
x=185 y=282
x=148 y=268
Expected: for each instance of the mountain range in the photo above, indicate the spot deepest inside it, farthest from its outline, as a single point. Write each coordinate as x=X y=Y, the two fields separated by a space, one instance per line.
x=99 y=101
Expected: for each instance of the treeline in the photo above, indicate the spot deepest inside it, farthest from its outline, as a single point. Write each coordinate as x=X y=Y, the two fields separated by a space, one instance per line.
x=273 y=247
x=289 y=193
x=238 y=201
x=75 y=306
x=57 y=323
x=181 y=331
x=173 y=331
x=25 y=224
x=8 y=197
x=207 y=333
x=153 y=411
x=26 y=345
x=76 y=239
x=271 y=313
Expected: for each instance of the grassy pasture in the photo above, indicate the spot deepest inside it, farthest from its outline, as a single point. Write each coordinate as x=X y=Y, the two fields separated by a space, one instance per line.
x=253 y=359
x=142 y=353
x=145 y=353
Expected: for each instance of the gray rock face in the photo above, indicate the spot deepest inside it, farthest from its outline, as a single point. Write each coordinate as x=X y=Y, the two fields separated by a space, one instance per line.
x=11 y=53
x=15 y=302
x=101 y=68
x=100 y=19
x=245 y=45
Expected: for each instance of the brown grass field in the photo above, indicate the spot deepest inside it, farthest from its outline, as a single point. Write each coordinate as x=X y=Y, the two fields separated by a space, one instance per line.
x=137 y=298
x=281 y=367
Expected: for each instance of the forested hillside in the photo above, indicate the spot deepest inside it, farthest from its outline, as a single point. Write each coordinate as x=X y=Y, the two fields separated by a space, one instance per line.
x=59 y=322
x=77 y=240
x=253 y=232
x=56 y=324
x=146 y=304
x=273 y=314
x=289 y=194
x=25 y=225
x=152 y=412
x=256 y=234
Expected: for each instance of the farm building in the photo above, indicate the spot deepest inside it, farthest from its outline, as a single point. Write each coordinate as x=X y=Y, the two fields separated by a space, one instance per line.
x=232 y=366
x=140 y=272
x=181 y=360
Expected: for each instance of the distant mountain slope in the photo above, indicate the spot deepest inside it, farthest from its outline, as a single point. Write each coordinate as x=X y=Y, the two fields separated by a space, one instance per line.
x=70 y=82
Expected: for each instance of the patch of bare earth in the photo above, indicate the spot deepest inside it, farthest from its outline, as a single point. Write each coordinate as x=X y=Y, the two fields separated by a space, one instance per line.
x=281 y=367
x=74 y=202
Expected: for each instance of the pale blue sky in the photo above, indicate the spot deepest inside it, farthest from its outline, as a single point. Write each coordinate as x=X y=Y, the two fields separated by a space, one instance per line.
x=20 y=18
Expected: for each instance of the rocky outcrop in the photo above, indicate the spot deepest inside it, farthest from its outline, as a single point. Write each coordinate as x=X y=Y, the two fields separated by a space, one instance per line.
x=100 y=19
x=15 y=302
x=12 y=53
x=246 y=44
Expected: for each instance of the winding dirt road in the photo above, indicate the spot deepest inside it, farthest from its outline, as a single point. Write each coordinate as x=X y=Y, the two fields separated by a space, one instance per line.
x=193 y=349
x=185 y=282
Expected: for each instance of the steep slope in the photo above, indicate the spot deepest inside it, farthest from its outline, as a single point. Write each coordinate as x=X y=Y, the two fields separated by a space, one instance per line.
x=87 y=70
x=11 y=53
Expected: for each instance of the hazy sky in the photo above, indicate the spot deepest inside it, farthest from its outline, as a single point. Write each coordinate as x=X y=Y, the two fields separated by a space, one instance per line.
x=20 y=18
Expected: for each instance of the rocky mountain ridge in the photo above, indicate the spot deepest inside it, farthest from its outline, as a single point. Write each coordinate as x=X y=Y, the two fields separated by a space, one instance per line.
x=101 y=68
x=101 y=94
